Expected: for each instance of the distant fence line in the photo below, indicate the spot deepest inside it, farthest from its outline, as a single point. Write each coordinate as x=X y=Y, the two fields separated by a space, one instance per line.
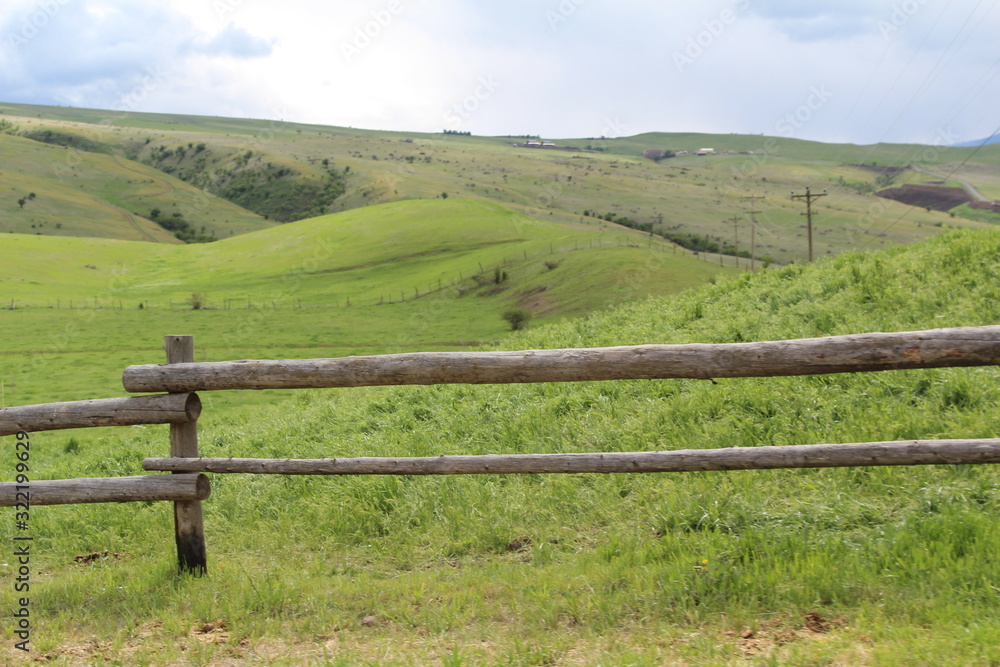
x=384 y=297
x=188 y=486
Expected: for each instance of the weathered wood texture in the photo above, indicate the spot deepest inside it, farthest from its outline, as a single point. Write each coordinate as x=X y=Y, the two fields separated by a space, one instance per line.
x=908 y=452
x=160 y=409
x=936 y=348
x=189 y=523
x=191 y=486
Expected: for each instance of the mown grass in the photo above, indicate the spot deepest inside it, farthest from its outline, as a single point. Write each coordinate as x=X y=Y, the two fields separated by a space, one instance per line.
x=880 y=566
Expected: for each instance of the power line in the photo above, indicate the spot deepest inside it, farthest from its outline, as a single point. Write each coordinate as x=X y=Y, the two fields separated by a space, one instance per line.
x=960 y=165
x=753 y=229
x=935 y=70
x=913 y=56
x=934 y=73
x=808 y=196
x=974 y=91
x=736 y=238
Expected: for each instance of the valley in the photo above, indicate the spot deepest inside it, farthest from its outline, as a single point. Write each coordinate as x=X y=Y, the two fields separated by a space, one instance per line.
x=427 y=242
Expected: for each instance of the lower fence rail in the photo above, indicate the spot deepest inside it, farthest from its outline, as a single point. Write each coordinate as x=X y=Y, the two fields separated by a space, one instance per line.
x=894 y=453
x=193 y=486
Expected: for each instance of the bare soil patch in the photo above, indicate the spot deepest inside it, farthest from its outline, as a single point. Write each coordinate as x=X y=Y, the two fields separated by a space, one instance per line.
x=927 y=196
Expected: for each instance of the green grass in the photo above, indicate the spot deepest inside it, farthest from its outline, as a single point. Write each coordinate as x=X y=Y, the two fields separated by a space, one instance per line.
x=369 y=254
x=396 y=277
x=898 y=564
x=981 y=215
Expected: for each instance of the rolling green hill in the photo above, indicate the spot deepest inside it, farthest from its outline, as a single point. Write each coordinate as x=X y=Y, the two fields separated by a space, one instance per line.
x=370 y=254
x=686 y=194
x=400 y=276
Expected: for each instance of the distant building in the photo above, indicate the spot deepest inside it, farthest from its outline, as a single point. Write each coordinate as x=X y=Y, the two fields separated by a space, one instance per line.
x=705 y=151
x=551 y=145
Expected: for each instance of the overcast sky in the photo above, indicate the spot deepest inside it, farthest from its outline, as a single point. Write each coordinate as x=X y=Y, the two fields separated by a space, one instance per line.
x=857 y=71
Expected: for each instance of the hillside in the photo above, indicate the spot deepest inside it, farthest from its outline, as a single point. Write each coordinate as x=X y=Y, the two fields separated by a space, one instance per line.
x=370 y=254
x=401 y=276
x=86 y=193
x=865 y=566
x=346 y=168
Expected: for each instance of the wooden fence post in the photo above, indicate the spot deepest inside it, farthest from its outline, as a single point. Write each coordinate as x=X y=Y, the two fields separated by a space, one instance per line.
x=189 y=526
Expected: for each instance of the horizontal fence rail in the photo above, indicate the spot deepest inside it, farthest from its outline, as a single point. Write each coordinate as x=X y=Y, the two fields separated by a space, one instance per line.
x=192 y=486
x=908 y=452
x=935 y=348
x=129 y=411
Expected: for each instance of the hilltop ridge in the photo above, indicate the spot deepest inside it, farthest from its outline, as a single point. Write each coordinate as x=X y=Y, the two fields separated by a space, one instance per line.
x=608 y=177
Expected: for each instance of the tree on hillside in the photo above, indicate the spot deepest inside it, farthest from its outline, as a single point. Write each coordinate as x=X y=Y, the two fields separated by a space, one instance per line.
x=21 y=202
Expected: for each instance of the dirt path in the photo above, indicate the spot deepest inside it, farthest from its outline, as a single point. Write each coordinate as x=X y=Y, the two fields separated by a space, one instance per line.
x=969 y=187
x=169 y=187
x=126 y=215
x=131 y=219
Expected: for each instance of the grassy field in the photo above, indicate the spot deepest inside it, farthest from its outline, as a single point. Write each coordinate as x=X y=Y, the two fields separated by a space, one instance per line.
x=865 y=566
x=401 y=276
x=687 y=193
x=435 y=237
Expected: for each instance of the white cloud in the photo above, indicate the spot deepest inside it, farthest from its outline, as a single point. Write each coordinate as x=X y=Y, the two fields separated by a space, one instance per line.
x=238 y=43
x=896 y=70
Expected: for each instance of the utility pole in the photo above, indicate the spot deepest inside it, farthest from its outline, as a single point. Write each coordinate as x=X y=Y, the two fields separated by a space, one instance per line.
x=753 y=229
x=736 y=238
x=808 y=196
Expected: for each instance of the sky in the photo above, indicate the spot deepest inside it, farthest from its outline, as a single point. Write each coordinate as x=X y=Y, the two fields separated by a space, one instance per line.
x=851 y=71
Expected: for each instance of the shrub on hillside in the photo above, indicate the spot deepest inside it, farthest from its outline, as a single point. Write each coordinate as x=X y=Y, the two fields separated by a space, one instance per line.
x=518 y=318
x=197 y=301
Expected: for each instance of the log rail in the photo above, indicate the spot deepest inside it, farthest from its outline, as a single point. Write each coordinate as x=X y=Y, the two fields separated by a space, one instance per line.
x=191 y=486
x=935 y=348
x=909 y=452
x=129 y=411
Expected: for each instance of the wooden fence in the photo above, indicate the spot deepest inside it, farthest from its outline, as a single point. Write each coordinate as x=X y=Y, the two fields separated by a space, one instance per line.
x=180 y=407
